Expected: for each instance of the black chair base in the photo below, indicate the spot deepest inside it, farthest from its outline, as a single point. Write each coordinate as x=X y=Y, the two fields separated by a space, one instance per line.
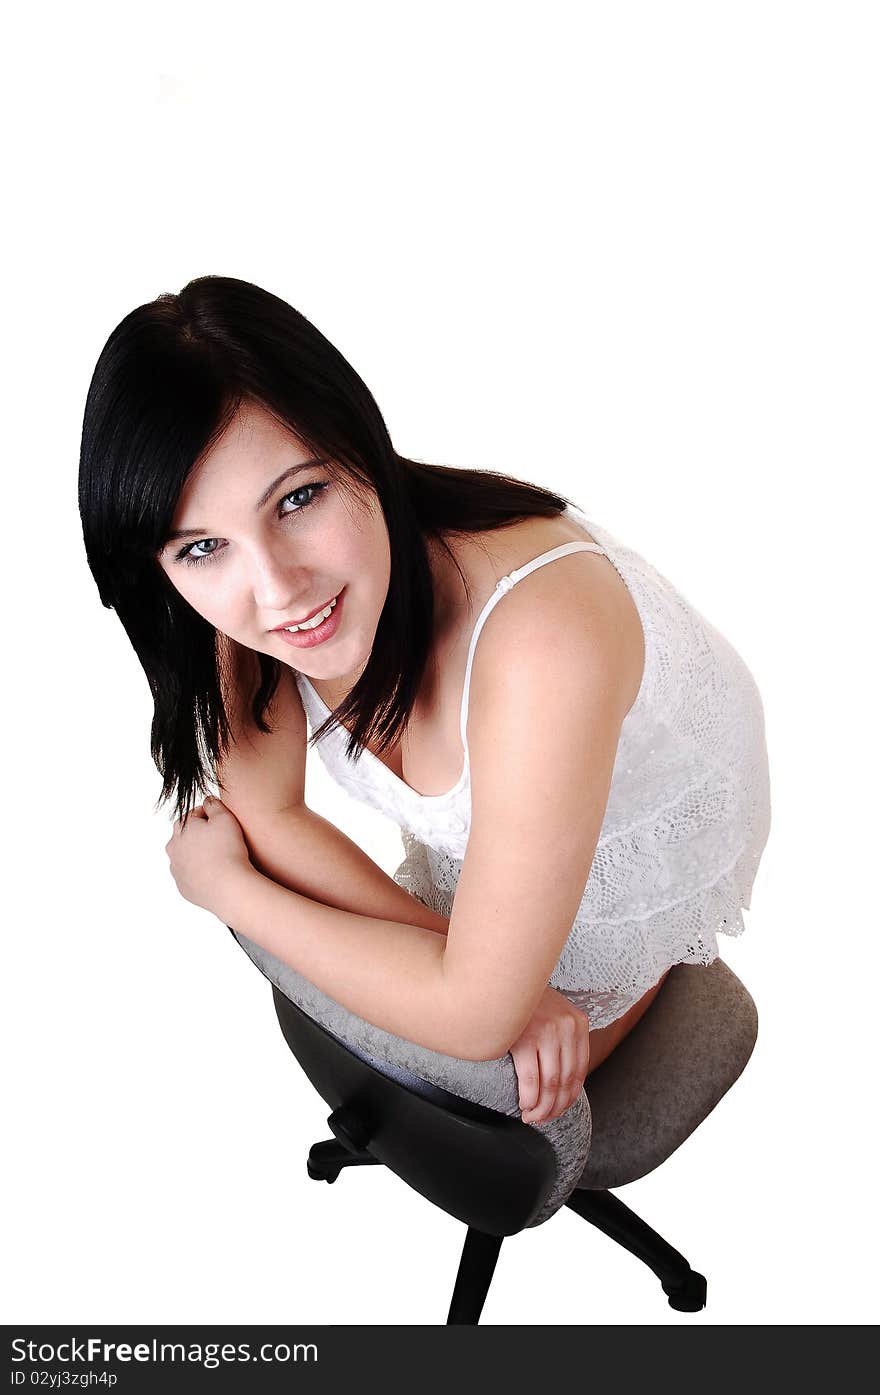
x=475 y=1269
x=684 y=1287
x=327 y=1159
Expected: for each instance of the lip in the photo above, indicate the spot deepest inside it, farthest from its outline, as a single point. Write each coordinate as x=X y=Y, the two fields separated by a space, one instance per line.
x=303 y=618
x=307 y=639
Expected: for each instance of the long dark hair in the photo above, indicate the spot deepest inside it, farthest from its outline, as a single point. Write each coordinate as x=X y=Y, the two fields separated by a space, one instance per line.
x=167 y=383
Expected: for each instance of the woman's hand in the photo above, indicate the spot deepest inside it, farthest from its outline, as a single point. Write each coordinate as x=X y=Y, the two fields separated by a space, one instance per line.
x=208 y=854
x=552 y=1057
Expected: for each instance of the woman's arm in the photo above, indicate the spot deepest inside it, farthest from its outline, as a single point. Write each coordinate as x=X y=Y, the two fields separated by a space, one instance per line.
x=262 y=780
x=260 y=772
x=388 y=972
x=304 y=852
x=299 y=858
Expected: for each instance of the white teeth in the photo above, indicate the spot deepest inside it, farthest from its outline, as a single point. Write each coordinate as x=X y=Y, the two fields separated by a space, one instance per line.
x=315 y=620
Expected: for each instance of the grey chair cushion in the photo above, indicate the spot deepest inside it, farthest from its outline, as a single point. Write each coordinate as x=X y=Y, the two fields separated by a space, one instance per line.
x=490 y=1083
x=671 y=1070
x=640 y=1105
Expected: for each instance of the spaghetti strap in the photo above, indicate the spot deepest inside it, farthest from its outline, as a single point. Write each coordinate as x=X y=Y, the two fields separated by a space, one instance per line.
x=502 y=587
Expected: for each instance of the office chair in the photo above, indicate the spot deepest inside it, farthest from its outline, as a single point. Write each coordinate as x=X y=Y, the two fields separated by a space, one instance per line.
x=450 y=1128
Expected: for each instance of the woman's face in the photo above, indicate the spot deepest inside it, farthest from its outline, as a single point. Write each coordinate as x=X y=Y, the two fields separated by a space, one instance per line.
x=270 y=538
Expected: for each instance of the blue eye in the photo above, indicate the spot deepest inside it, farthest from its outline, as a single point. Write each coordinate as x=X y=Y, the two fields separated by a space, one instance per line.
x=194 y=559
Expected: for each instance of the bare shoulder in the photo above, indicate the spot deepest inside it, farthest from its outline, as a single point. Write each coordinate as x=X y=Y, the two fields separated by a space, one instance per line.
x=577 y=605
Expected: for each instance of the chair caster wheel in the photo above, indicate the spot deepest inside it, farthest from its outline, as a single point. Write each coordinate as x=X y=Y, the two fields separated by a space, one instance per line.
x=320 y=1174
x=690 y=1296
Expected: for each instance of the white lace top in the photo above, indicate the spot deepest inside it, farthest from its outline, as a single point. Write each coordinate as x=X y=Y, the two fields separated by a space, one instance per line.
x=687 y=816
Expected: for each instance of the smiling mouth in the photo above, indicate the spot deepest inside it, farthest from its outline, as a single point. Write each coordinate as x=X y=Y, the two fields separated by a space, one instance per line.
x=313 y=620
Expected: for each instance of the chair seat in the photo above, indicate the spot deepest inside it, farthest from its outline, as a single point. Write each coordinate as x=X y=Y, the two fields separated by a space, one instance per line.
x=663 y=1079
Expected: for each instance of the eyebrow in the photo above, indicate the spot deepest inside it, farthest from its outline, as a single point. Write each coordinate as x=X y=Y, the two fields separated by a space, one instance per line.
x=263 y=499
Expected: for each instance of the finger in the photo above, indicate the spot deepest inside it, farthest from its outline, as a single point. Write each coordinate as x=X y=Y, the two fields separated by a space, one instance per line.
x=561 y=1058
x=549 y=1077
x=571 y=1082
x=566 y=1059
x=577 y=1078
x=583 y=1060
x=525 y=1060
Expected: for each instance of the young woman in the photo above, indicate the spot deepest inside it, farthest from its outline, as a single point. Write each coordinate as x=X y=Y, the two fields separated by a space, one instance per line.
x=575 y=756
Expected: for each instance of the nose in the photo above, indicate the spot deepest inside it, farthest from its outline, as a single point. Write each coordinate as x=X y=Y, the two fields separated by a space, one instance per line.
x=279 y=585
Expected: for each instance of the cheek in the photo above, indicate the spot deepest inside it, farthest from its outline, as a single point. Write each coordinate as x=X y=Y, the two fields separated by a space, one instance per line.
x=347 y=557
x=207 y=600
x=368 y=546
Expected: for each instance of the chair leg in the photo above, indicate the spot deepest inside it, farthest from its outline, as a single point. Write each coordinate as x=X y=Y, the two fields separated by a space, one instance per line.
x=475 y=1269
x=683 y=1286
x=326 y=1160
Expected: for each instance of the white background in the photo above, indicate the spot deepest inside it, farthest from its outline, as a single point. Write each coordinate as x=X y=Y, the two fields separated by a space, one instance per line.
x=626 y=250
